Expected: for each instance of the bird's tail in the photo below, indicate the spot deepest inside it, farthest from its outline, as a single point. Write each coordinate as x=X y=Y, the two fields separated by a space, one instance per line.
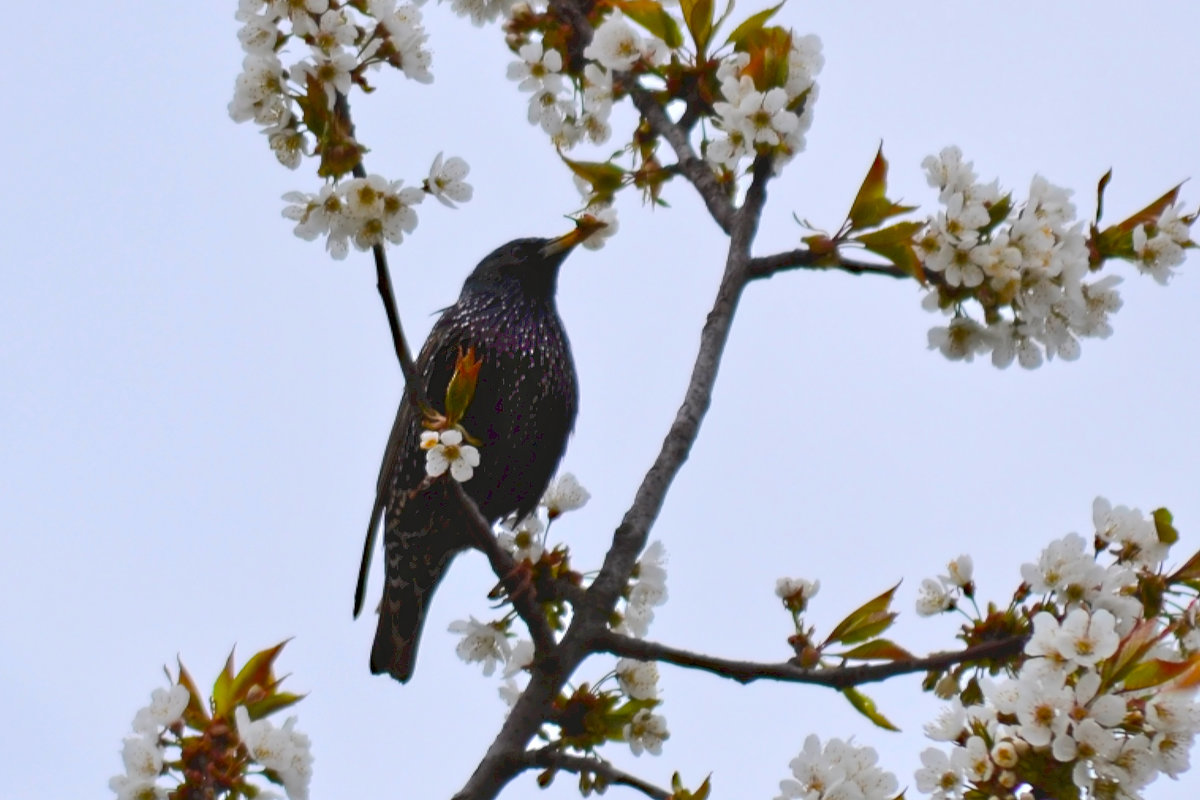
x=416 y=563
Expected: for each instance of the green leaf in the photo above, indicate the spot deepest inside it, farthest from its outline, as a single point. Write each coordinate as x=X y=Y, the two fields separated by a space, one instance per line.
x=680 y=792
x=222 y=692
x=698 y=15
x=272 y=703
x=654 y=18
x=1162 y=525
x=895 y=243
x=256 y=672
x=866 y=706
x=868 y=620
x=751 y=24
x=605 y=177
x=871 y=205
x=877 y=650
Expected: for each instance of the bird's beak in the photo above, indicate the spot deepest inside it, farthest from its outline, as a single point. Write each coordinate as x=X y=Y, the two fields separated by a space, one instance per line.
x=563 y=244
x=584 y=228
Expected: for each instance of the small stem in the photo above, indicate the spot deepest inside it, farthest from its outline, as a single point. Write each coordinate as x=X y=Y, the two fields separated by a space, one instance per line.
x=788 y=672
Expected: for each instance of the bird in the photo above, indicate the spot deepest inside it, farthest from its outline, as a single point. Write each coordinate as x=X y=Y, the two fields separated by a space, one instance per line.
x=522 y=413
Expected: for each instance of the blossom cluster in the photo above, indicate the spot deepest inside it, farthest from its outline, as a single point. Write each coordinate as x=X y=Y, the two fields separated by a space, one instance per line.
x=524 y=538
x=145 y=753
x=488 y=643
x=339 y=45
x=1026 y=267
x=371 y=211
x=837 y=771
x=568 y=109
x=161 y=749
x=1100 y=703
x=765 y=119
x=624 y=713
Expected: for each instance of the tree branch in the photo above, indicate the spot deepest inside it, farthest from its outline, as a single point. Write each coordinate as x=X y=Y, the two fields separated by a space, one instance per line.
x=786 y=671
x=502 y=761
x=802 y=258
x=554 y=759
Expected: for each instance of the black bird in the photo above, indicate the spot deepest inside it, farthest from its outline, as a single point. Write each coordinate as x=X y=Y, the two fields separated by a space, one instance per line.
x=523 y=411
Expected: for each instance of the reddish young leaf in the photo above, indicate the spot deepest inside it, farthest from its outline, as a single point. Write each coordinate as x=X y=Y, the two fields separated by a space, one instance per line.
x=461 y=389
x=1156 y=672
x=871 y=205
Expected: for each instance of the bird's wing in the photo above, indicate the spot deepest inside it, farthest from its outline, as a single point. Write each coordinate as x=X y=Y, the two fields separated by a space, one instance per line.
x=390 y=453
x=435 y=365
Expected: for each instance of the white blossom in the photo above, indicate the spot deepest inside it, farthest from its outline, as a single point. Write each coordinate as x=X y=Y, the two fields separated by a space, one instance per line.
x=519 y=658
x=615 y=44
x=446 y=451
x=647 y=591
x=481 y=643
x=1085 y=639
x=961 y=570
x=165 y=709
x=445 y=181
x=522 y=538
x=537 y=69
x=638 y=679
x=837 y=771
x=646 y=732
x=282 y=750
x=933 y=598
x=565 y=493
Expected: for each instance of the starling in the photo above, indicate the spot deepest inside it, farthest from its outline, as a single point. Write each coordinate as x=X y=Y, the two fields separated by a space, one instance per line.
x=523 y=411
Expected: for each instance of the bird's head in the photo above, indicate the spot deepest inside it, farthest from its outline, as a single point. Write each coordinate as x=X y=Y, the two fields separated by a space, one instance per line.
x=529 y=266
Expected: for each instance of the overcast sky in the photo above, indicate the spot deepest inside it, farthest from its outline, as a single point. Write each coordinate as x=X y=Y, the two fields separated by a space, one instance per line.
x=193 y=402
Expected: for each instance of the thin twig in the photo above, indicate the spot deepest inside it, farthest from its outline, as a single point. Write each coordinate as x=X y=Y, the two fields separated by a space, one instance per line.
x=766 y=266
x=554 y=759
x=383 y=281
x=786 y=671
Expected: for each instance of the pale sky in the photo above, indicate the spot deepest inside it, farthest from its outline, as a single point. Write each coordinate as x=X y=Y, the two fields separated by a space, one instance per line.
x=193 y=402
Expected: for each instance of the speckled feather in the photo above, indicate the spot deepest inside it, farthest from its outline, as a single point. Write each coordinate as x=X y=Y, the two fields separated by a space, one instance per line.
x=523 y=412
